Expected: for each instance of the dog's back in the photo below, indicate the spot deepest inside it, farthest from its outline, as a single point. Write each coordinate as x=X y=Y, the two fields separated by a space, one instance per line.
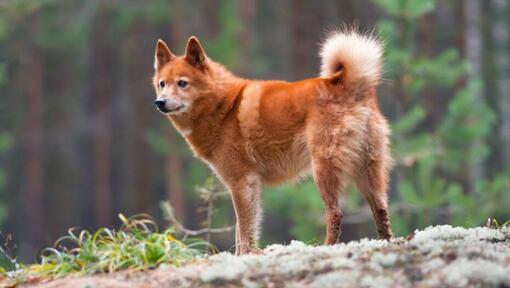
x=334 y=116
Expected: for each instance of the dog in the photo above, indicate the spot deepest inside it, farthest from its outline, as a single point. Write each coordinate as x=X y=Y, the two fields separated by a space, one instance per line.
x=253 y=133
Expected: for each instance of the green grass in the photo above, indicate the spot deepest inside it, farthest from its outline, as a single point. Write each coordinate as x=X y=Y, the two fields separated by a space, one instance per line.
x=137 y=245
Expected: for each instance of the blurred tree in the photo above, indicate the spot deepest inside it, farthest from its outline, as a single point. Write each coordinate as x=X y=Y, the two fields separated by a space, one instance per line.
x=101 y=70
x=473 y=48
x=305 y=22
x=247 y=11
x=139 y=91
x=34 y=177
x=5 y=144
x=501 y=39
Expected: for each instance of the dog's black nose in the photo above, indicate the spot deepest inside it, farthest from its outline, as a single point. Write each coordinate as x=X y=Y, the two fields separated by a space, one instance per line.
x=160 y=104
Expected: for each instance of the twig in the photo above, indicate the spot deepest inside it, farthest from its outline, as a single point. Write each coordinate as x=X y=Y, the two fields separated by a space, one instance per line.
x=170 y=217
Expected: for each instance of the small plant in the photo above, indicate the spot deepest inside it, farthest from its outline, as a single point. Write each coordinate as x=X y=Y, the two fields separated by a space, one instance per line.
x=493 y=223
x=209 y=193
x=137 y=245
x=6 y=262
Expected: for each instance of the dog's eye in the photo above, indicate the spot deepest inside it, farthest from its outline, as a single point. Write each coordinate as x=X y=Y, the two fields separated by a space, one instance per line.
x=162 y=84
x=182 y=83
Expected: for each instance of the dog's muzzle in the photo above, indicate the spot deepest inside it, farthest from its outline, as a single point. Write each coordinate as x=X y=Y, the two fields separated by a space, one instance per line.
x=168 y=106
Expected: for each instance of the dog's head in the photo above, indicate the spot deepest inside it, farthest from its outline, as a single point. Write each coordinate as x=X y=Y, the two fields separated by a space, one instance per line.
x=180 y=81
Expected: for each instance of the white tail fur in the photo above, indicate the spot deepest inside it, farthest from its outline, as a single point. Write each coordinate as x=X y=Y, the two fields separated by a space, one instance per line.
x=360 y=56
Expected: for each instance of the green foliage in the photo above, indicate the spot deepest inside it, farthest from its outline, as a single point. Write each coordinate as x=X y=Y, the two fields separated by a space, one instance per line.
x=224 y=48
x=489 y=200
x=410 y=9
x=161 y=144
x=465 y=130
x=419 y=145
x=6 y=262
x=302 y=205
x=137 y=245
x=133 y=13
x=59 y=31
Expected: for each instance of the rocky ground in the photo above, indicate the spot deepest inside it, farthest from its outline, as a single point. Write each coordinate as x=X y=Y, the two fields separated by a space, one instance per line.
x=440 y=256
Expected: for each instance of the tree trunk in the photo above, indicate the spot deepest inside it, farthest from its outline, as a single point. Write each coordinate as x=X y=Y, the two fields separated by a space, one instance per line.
x=101 y=93
x=473 y=37
x=346 y=12
x=305 y=33
x=427 y=40
x=500 y=36
x=142 y=111
x=460 y=31
x=247 y=12
x=34 y=201
x=211 y=18
x=473 y=49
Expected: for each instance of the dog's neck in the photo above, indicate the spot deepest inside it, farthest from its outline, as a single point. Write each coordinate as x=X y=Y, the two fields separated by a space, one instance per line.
x=203 y=124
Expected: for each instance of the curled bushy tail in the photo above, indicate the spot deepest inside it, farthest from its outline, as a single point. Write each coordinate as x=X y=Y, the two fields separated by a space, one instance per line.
x=358 y=56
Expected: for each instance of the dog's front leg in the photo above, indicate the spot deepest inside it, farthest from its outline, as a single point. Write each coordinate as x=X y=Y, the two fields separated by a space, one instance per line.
x=247 y=204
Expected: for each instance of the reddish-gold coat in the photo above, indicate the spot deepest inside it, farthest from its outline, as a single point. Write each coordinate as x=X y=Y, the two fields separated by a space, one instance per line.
x=255 y=133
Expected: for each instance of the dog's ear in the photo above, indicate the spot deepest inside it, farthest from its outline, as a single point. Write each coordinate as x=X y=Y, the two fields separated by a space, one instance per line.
x=195 y=54
x=162 y=55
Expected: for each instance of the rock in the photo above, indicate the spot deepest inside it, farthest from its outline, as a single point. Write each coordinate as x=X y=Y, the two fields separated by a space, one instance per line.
x=439 y=256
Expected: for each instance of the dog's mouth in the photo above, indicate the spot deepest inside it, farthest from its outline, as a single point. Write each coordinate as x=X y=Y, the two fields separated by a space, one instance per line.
x=165 y=110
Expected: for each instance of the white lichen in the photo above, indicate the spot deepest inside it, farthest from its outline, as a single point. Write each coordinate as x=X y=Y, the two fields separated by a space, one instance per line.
x=436 y=256
x=463 y=271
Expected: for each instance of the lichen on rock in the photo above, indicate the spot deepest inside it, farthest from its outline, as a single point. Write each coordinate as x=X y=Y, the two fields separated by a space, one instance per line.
x=435 y=257
x=439 y=256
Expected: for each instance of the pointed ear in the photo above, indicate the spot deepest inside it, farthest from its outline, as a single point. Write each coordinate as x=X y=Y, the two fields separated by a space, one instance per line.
x=195 y=54
x=162 y=55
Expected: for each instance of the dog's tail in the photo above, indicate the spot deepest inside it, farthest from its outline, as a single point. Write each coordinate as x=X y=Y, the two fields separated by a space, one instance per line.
x=355 y=58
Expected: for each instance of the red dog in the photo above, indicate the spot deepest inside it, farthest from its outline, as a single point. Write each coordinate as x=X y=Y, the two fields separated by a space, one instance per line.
x=254 y=133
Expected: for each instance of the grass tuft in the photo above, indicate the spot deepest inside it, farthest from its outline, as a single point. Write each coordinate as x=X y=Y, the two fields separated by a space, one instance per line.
x=493 y=223
x=137 y=245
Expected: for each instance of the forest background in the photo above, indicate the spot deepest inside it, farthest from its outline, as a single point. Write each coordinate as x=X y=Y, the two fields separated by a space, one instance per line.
x=80 y=140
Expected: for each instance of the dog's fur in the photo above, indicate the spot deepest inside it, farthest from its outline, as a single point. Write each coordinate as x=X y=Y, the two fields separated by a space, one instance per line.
x=254 y=133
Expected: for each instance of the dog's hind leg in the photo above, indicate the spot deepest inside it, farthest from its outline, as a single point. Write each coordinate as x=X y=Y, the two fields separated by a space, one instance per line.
x=372 y=181
x=328 y=179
